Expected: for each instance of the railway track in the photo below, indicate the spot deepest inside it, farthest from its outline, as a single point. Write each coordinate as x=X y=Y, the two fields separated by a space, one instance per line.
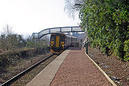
x=13 y=80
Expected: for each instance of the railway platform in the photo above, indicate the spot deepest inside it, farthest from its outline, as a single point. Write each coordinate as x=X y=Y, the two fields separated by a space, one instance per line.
x=71 y=68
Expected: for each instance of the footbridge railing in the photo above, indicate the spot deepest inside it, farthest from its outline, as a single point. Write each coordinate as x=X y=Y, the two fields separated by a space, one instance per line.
x=66 y=29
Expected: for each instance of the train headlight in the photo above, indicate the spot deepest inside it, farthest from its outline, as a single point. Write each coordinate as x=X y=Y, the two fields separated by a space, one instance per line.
x=62 y=44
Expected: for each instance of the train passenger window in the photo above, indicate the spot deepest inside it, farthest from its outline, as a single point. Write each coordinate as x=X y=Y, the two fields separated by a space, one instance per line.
x=62 y=38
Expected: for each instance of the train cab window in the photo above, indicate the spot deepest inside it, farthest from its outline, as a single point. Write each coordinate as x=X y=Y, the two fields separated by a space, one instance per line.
x=52 y=38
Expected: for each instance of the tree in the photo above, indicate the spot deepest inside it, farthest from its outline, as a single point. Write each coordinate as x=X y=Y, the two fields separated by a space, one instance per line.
x=9 y=40
x=32 y=42
x=107 y=23
x=7 y=30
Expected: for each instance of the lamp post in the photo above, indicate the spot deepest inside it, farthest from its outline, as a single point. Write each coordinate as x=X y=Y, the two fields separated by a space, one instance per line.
x=86 y=39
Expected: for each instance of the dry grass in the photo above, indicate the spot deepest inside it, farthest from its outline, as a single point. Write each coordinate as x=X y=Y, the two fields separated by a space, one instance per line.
x=17 y=65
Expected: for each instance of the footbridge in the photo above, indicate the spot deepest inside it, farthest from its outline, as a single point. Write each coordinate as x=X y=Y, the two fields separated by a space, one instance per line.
x=66 y=29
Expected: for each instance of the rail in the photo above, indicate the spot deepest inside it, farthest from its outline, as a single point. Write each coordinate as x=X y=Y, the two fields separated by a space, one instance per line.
x=16 y=77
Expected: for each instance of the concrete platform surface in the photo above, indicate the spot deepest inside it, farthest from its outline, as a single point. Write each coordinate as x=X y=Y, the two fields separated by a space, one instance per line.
x=45 y=77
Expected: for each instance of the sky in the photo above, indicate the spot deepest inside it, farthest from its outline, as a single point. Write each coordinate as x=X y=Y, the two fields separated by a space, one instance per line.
x=28 y=16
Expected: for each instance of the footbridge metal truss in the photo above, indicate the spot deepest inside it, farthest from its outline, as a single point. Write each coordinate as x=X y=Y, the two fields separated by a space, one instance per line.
x=57 y=30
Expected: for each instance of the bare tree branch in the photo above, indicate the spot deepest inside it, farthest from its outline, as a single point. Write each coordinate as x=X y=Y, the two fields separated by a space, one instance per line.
x=72 y=6
x=7 y=30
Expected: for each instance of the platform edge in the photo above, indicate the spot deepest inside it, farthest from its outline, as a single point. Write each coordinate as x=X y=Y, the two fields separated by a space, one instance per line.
x=112 y=82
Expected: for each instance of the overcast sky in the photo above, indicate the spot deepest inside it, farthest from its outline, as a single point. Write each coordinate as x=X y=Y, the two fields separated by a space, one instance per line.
x=28 y=16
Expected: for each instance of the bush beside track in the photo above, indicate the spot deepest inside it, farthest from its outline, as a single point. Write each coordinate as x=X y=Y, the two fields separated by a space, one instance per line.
x=10 y=57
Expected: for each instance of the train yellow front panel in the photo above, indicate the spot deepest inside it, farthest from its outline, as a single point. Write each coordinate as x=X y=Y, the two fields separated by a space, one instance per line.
x=57 y=41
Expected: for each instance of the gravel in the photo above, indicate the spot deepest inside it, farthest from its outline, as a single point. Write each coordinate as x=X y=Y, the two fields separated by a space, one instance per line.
x=116 y=69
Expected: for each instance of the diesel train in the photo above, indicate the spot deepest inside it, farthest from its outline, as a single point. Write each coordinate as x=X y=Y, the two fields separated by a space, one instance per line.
x=59 y=42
